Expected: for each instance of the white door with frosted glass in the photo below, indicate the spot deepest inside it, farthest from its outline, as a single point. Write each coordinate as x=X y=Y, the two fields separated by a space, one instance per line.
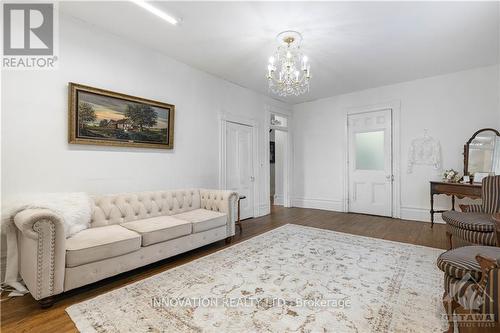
x=370 y=162
x=239 y=165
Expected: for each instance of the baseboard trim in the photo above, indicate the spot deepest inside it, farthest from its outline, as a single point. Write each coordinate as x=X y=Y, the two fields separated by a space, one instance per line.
x=325 y=204
x=420 y=214
x=279 y=200
x=407 y=212
x=263 y=209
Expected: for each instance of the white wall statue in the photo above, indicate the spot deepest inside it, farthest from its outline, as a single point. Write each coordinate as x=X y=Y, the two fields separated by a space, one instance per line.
x=424 y=150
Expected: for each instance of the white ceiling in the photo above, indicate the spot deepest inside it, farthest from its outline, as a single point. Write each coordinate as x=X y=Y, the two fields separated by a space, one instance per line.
x=351 y=45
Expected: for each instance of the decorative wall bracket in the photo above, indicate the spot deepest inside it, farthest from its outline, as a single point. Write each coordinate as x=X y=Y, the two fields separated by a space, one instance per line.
x=424 y=150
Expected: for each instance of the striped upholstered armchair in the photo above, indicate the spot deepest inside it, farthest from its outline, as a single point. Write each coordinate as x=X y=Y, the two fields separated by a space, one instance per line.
x=471 y=286
x=475 y=226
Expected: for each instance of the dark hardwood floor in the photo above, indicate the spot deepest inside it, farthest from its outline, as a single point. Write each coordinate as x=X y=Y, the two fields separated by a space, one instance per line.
x=23 y=314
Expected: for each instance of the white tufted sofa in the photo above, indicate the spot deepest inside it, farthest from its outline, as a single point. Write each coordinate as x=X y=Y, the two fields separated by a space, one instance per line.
x=127 y=231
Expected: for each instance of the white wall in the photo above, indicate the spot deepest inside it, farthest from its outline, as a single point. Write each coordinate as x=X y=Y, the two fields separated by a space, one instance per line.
x=451 y=107
x=37 y=158
x=36 y=155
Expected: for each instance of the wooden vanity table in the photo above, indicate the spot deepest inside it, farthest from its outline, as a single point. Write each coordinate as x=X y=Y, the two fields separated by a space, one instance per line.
x=479 y=152
x=459 y=190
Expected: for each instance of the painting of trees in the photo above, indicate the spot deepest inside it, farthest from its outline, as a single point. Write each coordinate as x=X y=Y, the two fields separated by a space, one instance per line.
x=86 y=113
x=141 y=115
x=108 y=118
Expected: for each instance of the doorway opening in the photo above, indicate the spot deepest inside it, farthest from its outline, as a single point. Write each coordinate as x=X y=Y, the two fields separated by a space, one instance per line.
x=277 y=145
x=279 y=150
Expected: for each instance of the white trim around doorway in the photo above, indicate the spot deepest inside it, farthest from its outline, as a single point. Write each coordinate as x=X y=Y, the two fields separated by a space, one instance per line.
x=287 y=178
x=395 y=106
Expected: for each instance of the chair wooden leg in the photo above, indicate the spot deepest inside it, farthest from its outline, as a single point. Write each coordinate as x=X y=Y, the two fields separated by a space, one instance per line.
x=238 y=223
x=228 y=240
x=450 y=306
x=449 y=235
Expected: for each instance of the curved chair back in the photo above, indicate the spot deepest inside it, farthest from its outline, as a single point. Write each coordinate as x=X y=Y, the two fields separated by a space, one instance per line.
x=491 y=194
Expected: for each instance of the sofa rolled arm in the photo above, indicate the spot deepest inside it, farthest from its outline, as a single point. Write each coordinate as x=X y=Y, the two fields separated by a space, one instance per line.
x=42 y=251
x=221 y=201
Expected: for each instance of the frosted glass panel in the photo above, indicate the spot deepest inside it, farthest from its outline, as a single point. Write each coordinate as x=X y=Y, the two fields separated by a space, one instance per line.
x=369 y=150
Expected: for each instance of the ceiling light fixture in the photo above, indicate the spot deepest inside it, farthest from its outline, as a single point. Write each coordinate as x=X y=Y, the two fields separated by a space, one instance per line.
x=156 y=11
x=288 y=71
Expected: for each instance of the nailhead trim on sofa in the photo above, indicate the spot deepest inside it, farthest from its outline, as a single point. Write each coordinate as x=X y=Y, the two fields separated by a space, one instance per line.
x=52 y=229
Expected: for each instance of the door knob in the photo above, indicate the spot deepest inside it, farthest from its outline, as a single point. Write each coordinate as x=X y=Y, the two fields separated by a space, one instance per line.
x=389 y=177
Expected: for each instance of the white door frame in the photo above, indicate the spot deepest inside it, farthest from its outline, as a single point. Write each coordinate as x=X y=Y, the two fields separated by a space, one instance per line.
x=287 y=163
x=395 y=106
x=224 y=118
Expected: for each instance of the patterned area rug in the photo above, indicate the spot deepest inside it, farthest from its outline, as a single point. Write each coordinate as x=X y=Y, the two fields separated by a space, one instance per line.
x=291 y=279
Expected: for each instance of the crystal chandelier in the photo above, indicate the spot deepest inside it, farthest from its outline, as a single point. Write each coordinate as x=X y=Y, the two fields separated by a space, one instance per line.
x=288 y=71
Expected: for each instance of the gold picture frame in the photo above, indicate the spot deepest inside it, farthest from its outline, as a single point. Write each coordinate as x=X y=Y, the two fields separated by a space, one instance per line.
x=107 y=118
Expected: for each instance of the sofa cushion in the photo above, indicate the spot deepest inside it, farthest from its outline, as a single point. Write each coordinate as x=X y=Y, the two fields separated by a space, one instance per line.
x=100 y=243
x=203 y=219
x=470 y=221
x=462 y=261
x=159 y=229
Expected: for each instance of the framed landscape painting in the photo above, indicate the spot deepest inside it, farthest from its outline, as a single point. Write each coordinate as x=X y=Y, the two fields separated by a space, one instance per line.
x=102 y=117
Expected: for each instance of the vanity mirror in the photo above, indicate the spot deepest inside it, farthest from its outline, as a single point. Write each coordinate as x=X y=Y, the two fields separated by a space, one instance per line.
x=482 y=152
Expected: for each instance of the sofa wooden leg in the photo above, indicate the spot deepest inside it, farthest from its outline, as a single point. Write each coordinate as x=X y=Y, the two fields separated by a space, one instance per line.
x=229 y=240
x=46 y=302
